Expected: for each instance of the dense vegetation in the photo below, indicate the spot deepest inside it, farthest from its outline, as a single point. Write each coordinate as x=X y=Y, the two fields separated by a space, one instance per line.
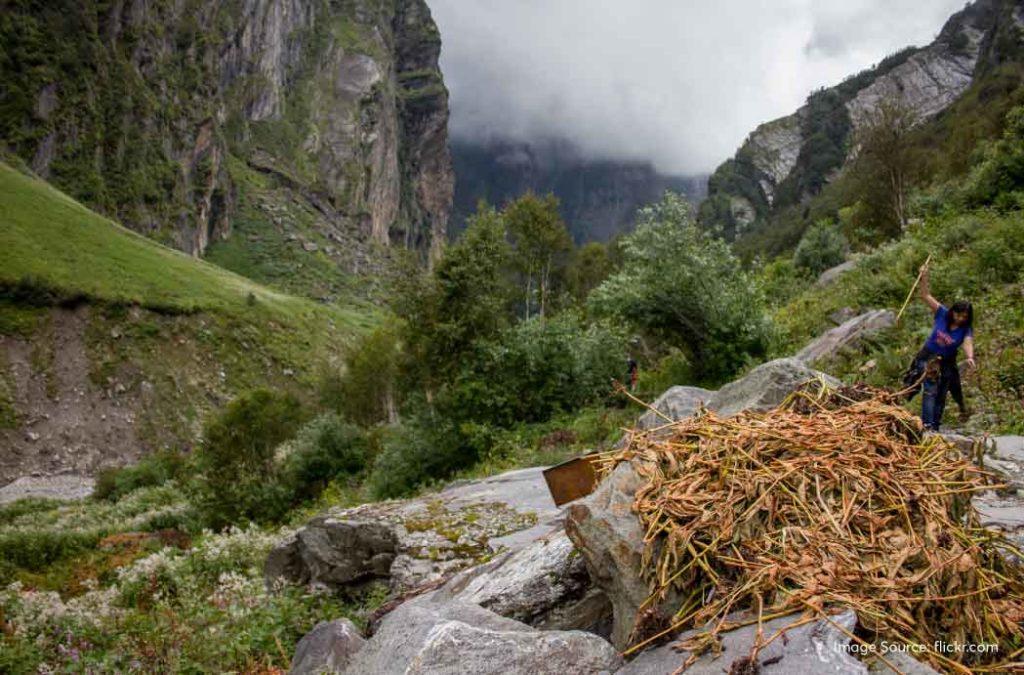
x=503 y=354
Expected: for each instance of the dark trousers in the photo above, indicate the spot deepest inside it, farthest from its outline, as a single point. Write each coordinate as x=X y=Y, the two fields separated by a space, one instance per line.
x=938 y=382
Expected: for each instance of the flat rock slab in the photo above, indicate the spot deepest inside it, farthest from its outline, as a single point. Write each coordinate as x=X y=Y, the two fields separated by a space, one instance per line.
x=1009 y=447
x=524 y=490
x=815 y=648
x=1005 y=513
x=428 y=538
x=64 y=487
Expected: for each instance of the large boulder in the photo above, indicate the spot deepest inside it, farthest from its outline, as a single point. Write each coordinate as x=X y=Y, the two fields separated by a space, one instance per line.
x=417 y=541
x=676 y=403
x=335 y=552
x=816 y=647
x=846 y=335
x=328 y=648
x=608 y=533
x=765 y=387
x=833 y=273
x=430 y=635
x=545 y=585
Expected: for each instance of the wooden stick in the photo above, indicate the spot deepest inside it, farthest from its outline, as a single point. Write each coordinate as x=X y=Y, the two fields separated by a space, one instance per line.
x=914 y=287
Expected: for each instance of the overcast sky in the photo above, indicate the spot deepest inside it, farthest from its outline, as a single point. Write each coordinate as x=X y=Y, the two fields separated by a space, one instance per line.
x=678 y=82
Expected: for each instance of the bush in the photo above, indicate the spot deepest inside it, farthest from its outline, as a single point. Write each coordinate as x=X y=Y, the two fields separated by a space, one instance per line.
x=326 y=448
x=537 y=369
x=414 y=453
x=155 y=469
x=999 y=179
x=685 y=286
x=35 y=549
x=822 y=246
x=238 y=476
x=365 y=391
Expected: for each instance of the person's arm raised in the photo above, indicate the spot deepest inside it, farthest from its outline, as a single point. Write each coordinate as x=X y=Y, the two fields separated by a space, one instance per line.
x=925 y=291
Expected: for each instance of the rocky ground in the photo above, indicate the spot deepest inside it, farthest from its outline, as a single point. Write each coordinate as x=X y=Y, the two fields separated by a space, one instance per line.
x=492 y=576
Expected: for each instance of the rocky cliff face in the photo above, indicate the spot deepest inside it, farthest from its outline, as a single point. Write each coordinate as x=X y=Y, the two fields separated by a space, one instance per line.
x=157 y=111
x=786 y=161
x=599 y=198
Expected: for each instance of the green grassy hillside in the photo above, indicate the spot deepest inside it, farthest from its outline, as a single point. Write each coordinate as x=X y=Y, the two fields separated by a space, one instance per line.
x=189 y=332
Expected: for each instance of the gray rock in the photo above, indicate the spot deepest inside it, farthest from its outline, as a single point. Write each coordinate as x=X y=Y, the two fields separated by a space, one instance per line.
x=842 y=315
x=328 y=648
x=830 y=275
x=426 y=636
x=545 y=584
x=812 y=649
x=847 y=335
x=608 y=533
x=765 y=387
x=421 y=540
x=1003 y=513
x=833 y=273
x=677 y=402
x=334 y=552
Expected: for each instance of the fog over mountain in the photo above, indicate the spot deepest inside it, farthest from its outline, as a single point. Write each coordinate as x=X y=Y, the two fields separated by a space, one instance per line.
x=677 y=83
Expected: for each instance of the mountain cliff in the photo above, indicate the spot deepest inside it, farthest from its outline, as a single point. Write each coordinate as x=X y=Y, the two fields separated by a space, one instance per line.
x=785 y=162
x=599 y=198
x=159 y=113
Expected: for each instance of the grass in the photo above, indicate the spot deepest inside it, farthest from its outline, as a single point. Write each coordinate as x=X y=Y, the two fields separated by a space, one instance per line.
x=192 y=334
x=50 y=238
x=267 y=237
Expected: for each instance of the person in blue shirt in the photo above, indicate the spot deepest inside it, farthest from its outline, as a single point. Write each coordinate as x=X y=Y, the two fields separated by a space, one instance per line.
x=935 y=365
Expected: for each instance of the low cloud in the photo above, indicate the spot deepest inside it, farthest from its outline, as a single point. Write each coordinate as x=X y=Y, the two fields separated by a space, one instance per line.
x=676 y=83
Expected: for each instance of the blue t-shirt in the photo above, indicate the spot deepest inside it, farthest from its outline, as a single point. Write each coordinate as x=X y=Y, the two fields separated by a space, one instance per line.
x=943 y=341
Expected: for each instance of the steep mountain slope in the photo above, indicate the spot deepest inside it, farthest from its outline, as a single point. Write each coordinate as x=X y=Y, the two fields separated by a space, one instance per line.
x=785 y=162
x=599 y=198
x=111 y=344
x=155 y=113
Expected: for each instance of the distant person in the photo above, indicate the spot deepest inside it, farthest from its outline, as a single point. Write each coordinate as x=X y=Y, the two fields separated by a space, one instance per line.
x=935 y=366
x=632 y=372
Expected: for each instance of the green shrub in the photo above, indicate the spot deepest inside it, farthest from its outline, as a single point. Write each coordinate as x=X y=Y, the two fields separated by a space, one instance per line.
x=326 y=448
x=999 y=179
x=686 y=287
x=365 y=392
x=238 y=475
x=822 y=246
x=35 y=549
x=414 y=453
x=22 y=507
x=154 y=469
x=537 y=369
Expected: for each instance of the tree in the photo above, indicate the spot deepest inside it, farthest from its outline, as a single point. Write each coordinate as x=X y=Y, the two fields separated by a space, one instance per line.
x=822 y=246
x=589 y=266
x=683 y=284
x=236 y=459
x=884 y=165
x=541 y=243
x=466 y=298
x=365 y=391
